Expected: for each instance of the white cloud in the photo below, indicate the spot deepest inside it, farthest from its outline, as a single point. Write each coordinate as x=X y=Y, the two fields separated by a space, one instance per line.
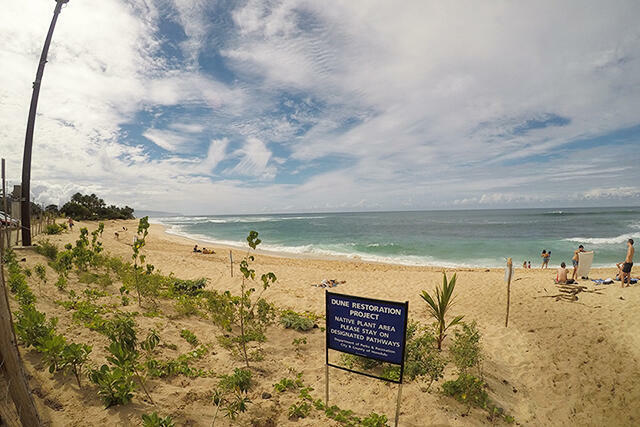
x=254 y=160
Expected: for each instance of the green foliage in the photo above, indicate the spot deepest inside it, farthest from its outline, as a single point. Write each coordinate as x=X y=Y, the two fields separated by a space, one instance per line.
x=421 y=357
x=32 y=326
x=115 y=385
x=466 y=349
x=374 y=420
x=188 y=287
x=251 y=315
x=293 y=320
x=300 y=409
x=438 y=306
x=187 y=305
x=74 y=357
x=289 y=384
x=53 y=229
x=178 y=366
x=61 y=283
x=240 y=380
x=352 y=361
x=189 y=337
x=231 y=394
x=91 y=207
x=141 y=271
x=102 y=279
x=154 y=420
x=63 y=263
x=467 y=389
x=121 y=329
x=41 y=272
x=51 y=348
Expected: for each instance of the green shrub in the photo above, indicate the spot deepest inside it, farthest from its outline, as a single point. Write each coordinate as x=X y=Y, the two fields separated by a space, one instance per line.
x=115 y=385
x=187 y=305
x=188 y=287
x=189 y=337
x=74 y=356
x=289 y=384
x=61 y=283
x=231 y=394
x=154 y=420
x=104 y=280
x=32 y=326
x=467 y=389
x=178 y=366
x=240 y=380
x=293 y=320
x=422 y=359
x=466 y=349
x=53 y=229
x=52 y=348
x=299 y=409
x=41 y=272
x=374 y=420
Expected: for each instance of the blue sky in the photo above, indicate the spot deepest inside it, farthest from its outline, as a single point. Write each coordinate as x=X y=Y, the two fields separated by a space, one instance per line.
x=197 y=106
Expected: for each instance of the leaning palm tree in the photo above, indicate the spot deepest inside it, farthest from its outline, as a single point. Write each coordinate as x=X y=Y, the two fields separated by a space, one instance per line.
x=440 y=305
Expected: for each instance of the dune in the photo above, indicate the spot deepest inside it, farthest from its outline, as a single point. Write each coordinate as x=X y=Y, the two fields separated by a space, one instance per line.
x=557 y=363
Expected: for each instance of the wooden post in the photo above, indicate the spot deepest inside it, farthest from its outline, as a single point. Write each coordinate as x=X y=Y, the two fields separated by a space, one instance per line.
x=231 y=262
x=6 y=229
x=507 y=277
x=10 y=363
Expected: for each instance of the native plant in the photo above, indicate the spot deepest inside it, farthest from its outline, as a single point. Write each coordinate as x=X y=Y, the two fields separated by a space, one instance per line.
x=466 y=350
x=154 y=420
x=293 y=320
x=32 y=326
x=244 y=316
x=41 y=273
x=439 y=305
x=139 y=266
x=74 y=357
x=46 y=248
x=231 y=394
x=190 y=337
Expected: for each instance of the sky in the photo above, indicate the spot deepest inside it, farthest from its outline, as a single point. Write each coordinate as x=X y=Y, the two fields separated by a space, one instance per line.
x=223 y=107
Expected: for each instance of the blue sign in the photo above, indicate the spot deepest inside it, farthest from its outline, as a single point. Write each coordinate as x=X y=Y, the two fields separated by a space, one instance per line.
x=366 y=327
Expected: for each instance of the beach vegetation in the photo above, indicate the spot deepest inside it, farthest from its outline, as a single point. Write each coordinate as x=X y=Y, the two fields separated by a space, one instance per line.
x=289 y=383
x=298 y=345
x=187 y=287
x=178 y=366
x=190 y=337
x=465 y=350
x=297 y=321
x=231 y=395
x=439 y=304
x=74 y=357
x=300 y=409
x=115 y=384
x=54 y=228
x=245 y=317
x=155 y=420
x=32 y=326
x=41 y=273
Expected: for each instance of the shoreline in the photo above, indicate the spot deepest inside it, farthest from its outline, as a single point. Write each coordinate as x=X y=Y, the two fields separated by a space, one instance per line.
x=216 y=244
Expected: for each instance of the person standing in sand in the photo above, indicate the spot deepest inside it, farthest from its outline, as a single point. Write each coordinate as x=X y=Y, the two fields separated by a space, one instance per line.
x=625 y=270
x=574 y=260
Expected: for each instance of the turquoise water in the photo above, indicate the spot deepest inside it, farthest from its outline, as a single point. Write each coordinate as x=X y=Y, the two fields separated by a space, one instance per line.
x=479 y=238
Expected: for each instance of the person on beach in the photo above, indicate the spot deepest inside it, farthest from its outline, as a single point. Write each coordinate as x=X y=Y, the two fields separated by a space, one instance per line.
x=70 y=221
x=574 y=260
x=625 y=269
x=524 y=264
x=195 y=249
x=529 y=265
x=207 y=251
x=545 y=260
x=561 y=275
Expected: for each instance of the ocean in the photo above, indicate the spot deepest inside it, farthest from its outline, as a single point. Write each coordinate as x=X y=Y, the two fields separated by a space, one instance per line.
x=464 y=238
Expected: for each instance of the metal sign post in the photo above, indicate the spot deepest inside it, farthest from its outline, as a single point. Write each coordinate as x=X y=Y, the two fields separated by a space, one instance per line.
x=366 y=327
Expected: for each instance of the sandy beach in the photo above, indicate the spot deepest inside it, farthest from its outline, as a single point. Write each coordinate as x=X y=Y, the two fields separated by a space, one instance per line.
x=557 y=363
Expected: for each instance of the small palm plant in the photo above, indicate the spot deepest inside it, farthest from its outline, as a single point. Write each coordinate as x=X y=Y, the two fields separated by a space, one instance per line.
x=439 y=306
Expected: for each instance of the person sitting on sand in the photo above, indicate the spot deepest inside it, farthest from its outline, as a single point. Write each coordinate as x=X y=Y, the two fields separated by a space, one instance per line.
x=117 y=235
x=627 y=265
x=195 y=249
x=574 y=260
x=207 y=251
x=561 y=275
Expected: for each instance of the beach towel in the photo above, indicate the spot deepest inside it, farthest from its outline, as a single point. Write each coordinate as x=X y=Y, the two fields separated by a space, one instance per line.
x=631 y=281
x=585 y=259
x=607 y=281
